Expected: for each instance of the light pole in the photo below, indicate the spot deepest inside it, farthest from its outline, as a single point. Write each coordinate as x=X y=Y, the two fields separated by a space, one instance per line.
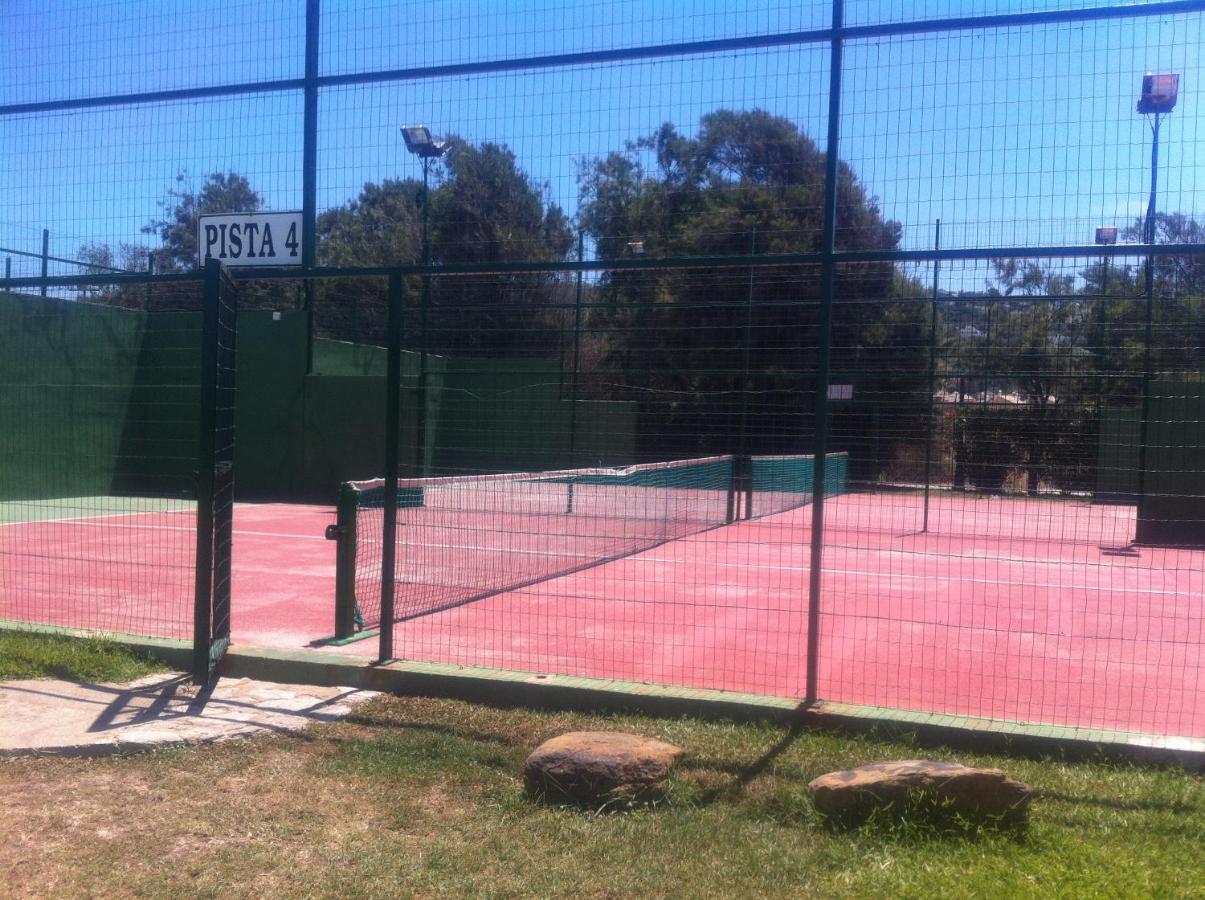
x=1106 y=235
x=420 y=142
x=1158 y=98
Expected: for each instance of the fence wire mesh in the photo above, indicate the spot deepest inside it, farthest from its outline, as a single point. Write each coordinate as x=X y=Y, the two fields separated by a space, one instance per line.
x=628 y=245
x=98 y=509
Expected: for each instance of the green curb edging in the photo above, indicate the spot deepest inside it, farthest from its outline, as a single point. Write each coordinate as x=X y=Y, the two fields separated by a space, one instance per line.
x=1013 y=738
x=498 y=686
x=509 y=688
x=504 y=687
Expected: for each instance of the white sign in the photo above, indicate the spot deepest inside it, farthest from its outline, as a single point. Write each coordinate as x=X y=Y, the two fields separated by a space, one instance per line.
x=250 y=239
x=840 y=392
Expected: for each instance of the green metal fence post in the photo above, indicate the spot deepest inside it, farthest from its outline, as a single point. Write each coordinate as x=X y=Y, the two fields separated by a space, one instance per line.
x=827 y=278
x=1148 y=340
x=206 y=458
x=424 y=376
x=577 y=365
x=45 y=257
x=309 y=168
x=1101 y=357
x=744 y=468
x=932 y=372
x=393 y=397
x=150 y=271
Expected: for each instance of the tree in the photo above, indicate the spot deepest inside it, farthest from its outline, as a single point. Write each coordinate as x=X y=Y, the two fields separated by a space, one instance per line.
x=381 y=227
x=748 y=181
x=99 y=259
x=177 y=227
x=483 y=209
x=1176 y=276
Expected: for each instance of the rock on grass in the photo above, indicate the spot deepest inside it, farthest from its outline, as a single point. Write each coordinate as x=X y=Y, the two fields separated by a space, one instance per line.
x=599 y=766
x=974 y=793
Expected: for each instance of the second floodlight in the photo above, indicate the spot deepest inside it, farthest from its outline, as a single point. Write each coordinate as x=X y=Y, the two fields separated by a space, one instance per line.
x=1159 y=93
x=420 y=142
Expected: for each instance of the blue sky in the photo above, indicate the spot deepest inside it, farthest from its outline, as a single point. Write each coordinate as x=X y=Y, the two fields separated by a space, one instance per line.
x=1023 y=136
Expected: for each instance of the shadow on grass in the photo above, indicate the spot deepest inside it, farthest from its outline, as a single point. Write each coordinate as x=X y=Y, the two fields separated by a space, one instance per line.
x=1176 y=807
x=388 y=724
x=924 y=818
x=742 y=774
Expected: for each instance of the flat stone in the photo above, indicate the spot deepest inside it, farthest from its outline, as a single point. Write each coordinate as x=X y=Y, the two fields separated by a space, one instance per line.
x=45 y=716
x=976 y=793
x=597 y=766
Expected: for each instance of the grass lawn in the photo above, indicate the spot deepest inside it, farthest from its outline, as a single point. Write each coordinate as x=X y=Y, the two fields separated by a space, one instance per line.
x=417 y=797
x=27 y=655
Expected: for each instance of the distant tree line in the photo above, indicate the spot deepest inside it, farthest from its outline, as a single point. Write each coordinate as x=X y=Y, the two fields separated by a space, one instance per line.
x=719 y=359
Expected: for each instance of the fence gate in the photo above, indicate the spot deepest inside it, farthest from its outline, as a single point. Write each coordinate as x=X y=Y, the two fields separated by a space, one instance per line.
x=215 y=472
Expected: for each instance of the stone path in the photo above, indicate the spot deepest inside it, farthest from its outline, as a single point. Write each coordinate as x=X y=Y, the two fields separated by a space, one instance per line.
x=60 y=717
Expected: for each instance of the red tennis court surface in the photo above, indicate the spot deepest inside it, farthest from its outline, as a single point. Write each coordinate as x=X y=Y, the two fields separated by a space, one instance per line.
x=1014 y=609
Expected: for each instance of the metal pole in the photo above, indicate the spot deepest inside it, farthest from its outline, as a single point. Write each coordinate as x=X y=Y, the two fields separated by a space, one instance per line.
x=1100 y=339
x=421 y=423
x=577 y=365
x=150 y=271
x=827 y=277
x=393 y=398
x=932 y=371
x=987 y=355
x=45 y=257
x=1148 y=339
x=309 y=168
x=744 y=470
x=206 y=458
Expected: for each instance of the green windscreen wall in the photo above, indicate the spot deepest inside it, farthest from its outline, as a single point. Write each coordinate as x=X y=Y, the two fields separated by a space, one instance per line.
x=1172 y=511
x=1117 y=458
x=101 y=400
x=96 y=400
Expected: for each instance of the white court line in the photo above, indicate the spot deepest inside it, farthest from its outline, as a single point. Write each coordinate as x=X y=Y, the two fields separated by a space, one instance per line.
x=636 y=556
x=641 y=558
x=89 y=521
x=85 y=520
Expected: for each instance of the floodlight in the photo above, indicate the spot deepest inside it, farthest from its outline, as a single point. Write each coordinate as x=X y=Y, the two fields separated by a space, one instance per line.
x=1106 y=234
x=1159 y=93
x=419 y=142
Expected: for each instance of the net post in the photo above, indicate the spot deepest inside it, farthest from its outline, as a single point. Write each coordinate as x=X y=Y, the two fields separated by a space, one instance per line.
x=393 y=396
x=206 y=457
x=346 y=611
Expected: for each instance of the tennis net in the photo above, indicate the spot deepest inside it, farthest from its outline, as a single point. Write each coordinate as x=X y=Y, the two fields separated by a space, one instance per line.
x=464 y=538
x=781 y=483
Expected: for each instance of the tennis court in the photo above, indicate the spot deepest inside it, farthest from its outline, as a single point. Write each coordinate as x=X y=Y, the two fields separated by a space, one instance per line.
x=1010 y=608
x=1007 y=608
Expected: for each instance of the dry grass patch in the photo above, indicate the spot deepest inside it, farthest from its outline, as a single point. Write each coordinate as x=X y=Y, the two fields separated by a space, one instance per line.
x=415 y=797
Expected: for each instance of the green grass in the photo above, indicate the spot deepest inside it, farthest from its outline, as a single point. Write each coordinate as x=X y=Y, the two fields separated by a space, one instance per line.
x=24 y=655
x=417 y=797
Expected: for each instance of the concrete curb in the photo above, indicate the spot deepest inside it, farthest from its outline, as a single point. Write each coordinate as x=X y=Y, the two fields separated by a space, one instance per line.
x=503 y=687
x=508 y=688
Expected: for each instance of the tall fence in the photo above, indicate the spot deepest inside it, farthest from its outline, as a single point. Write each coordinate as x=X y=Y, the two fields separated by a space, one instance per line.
x=780 y=240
